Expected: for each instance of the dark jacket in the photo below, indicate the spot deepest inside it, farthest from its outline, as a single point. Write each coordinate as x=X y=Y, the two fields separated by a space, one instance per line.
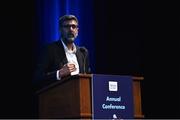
x=53 y=58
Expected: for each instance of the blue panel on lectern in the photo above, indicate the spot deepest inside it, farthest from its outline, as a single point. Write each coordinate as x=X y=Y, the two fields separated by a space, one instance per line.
x=112 y=97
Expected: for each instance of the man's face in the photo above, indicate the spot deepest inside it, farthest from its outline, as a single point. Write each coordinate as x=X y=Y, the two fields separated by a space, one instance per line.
x=69 y=30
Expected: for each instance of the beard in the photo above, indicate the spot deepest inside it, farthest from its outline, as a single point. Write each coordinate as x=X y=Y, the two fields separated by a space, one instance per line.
x=71 y=37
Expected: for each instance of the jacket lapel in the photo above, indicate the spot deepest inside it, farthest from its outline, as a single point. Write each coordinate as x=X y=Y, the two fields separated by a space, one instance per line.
x=79 y=59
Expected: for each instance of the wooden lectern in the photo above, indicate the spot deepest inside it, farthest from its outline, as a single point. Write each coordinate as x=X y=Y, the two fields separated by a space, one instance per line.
x=71 y=98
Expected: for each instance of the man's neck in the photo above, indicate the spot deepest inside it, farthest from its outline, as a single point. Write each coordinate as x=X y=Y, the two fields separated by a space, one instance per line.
x=69 y=45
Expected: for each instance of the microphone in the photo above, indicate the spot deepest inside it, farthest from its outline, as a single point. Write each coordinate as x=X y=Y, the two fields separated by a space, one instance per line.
x=84 y=51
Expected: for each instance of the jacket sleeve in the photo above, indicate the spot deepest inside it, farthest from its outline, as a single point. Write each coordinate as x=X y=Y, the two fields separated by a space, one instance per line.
x=43 y=74
x=87 y=68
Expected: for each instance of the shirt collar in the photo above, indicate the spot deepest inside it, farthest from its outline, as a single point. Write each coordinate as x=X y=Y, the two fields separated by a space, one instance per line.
x=67 y=50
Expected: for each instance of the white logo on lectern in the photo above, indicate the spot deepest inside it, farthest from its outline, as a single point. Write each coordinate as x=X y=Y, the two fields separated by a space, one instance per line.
x=114 y=116
x=113 y=86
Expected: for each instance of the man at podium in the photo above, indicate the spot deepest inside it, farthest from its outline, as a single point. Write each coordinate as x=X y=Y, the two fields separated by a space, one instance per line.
x=63 y=58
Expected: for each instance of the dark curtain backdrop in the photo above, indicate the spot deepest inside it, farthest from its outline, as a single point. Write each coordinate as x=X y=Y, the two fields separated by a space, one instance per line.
x=123 y=37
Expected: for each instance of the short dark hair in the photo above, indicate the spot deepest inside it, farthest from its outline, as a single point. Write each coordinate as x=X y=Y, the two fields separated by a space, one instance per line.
x=66 y=18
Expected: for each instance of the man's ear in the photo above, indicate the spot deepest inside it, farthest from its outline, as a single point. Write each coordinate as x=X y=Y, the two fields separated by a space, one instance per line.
x=78 y=29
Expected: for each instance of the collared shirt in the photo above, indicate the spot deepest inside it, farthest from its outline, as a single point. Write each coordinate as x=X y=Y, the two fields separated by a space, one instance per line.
x=71 y=57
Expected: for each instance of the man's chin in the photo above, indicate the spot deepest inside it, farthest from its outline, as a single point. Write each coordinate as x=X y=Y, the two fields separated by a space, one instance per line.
x=70 y=40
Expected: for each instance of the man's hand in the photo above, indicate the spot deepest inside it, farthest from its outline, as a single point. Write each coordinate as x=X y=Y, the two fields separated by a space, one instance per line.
x=67 y=69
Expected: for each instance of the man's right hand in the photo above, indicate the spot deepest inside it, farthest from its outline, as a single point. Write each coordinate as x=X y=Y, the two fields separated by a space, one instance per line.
x=67 y=69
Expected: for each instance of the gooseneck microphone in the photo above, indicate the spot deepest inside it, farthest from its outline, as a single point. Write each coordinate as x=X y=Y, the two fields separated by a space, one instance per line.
x=84 y=51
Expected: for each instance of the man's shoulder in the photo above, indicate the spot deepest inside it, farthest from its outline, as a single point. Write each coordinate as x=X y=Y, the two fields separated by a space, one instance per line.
x=51 y=46
x=82 y=48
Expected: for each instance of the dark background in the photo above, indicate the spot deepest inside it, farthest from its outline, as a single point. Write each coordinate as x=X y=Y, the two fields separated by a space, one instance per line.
x=131 y=38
